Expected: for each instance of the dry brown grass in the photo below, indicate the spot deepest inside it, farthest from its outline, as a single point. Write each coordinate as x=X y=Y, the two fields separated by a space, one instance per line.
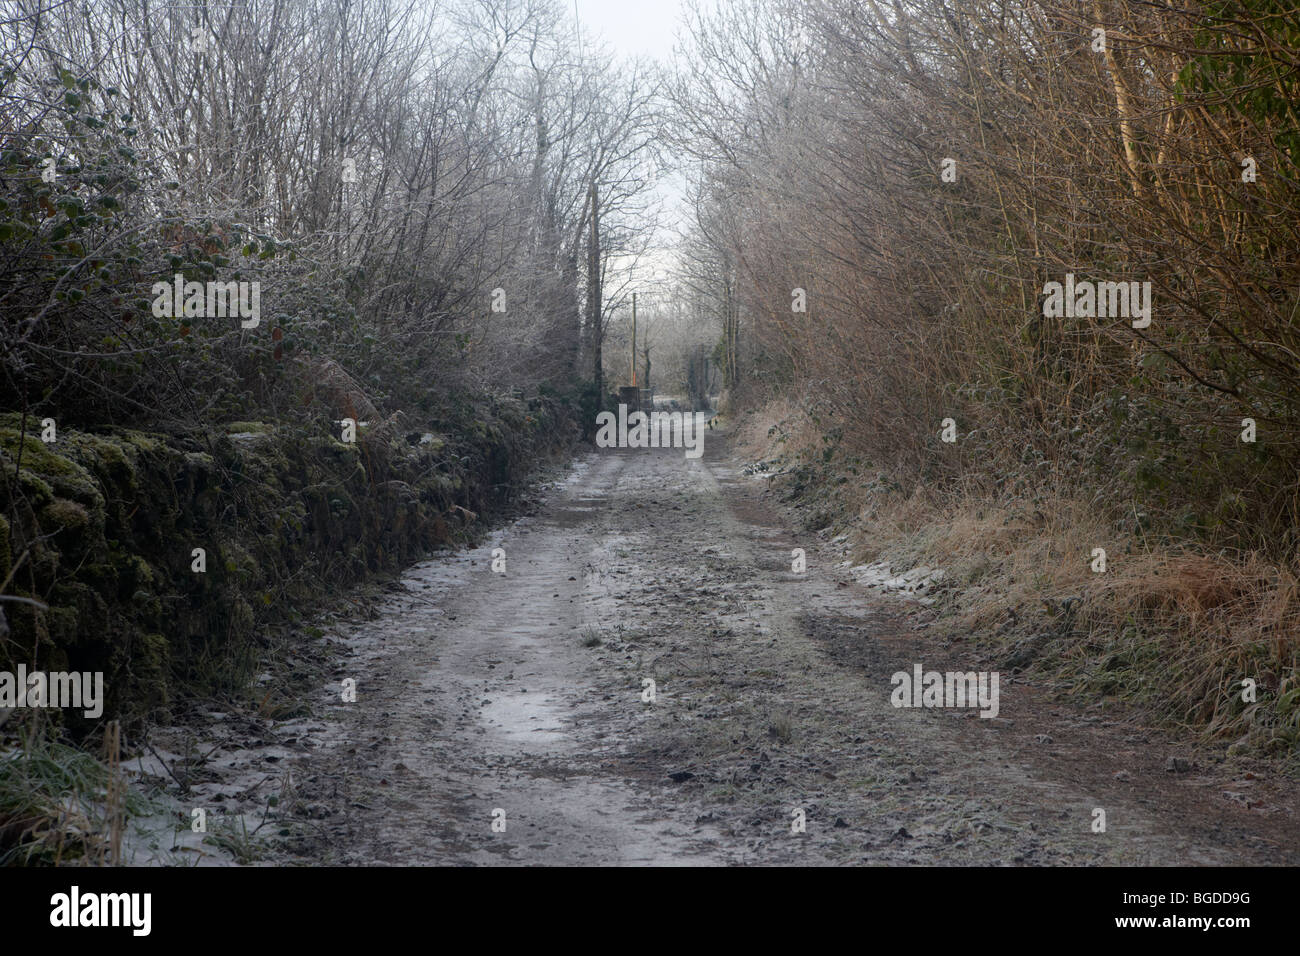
x=1166 y=627
x=772 y=430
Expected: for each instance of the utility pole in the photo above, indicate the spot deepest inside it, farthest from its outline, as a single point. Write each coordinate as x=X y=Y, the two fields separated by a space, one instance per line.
x=633 y=339
x=593 y=299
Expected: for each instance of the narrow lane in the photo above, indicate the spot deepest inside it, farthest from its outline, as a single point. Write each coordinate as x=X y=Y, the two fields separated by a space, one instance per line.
x=519 y=698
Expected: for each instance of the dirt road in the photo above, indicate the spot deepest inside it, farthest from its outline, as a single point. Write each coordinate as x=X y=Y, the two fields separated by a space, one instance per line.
x=505 y=718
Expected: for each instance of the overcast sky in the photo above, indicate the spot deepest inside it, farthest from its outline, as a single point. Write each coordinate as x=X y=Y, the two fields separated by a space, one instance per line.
x=633 y=27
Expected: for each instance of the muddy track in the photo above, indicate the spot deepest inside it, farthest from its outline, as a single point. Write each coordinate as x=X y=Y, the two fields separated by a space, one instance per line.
x=517 y=697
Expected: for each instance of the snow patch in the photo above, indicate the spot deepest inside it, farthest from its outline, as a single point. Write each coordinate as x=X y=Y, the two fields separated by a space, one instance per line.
x=919 y=581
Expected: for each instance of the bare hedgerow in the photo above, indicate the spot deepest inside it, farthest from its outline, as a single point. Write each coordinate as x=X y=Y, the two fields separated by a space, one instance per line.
x=922 y=170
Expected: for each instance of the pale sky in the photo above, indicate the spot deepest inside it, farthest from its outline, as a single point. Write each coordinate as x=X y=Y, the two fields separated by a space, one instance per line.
x=633 y=27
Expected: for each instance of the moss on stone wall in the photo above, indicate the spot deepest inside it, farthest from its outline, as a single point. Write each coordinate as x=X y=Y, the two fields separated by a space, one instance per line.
x=102 y=528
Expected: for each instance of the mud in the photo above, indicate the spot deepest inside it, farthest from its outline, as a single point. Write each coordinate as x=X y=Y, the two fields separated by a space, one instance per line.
x=520 y=697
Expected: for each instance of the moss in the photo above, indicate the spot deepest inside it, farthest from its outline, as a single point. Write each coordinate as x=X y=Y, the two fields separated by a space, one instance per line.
x=111 y=460
x=283 y=522
x=240 y=563
x=61 y=514
x=247 y=428
x=90 y=625
x=201 y=462
x=75 y=532
x=116 y=452
x=130 y=440
x=35 y=489
x=52 y=464
x=100 y=575
x=84 y=492
x=134 y=573
x=38 y=456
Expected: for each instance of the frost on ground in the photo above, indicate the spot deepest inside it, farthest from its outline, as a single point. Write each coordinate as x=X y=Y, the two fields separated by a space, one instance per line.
x=915 y=581
x=649 y=681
